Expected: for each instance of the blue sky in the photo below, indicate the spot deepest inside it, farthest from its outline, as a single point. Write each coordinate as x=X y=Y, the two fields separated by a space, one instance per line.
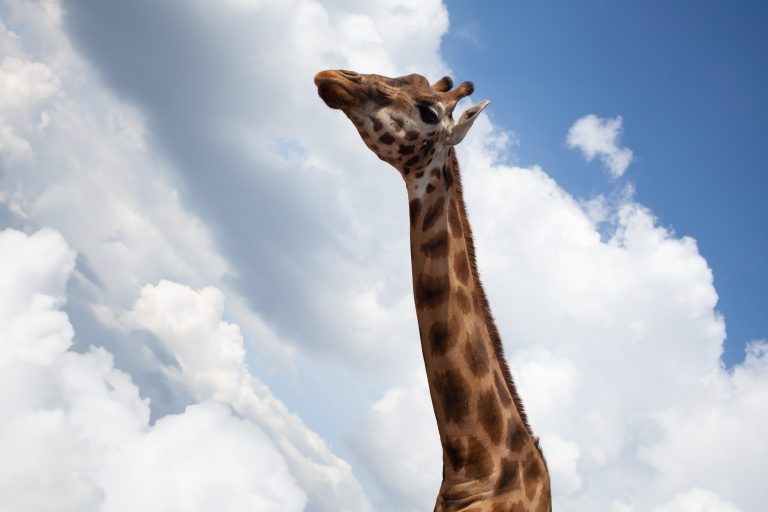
x=199 y=261
x=689 y=80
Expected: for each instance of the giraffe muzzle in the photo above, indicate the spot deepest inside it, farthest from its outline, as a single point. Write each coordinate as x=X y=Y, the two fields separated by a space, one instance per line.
x=335 y=87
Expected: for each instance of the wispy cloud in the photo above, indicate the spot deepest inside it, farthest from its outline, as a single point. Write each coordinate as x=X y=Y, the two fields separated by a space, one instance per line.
x=599 y=137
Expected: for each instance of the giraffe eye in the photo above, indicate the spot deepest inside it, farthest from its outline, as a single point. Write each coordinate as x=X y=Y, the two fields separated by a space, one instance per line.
x=428 y=114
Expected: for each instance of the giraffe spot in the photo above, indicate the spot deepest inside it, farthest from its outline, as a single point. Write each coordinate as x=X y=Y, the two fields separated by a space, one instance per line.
x=435 y=173
x=490 y=415
x=502 y=389
x=420 y=174
x=531 y=474
x=461 y=266
x=453 y=219
x=463 y=300
x=447 y=176
x=377 y=125
x=479 y=463
x=429 y=291
x=434 y=212
x=442 y=338
x=476 y=355
x=405 y=150
x=455 y=450
x=387 y=138
x=412 y=160
x=509 y=476
x=398 y=121
x=411 y=135
x=431 y=133
x=414 y=207
x=452 y=389
x=430 y=188
x=374 y=147
x=515 y=436
x=437 y=246
x=439 y=338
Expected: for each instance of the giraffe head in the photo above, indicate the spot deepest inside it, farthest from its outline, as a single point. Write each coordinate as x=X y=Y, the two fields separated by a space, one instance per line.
x=405 y=121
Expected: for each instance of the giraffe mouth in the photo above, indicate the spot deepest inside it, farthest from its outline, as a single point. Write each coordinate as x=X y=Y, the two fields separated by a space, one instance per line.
x=333 y=89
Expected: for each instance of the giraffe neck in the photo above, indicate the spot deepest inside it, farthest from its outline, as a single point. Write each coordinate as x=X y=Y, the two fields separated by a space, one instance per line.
x=488 y=449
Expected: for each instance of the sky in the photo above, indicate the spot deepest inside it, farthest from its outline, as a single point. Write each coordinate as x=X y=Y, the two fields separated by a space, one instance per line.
x=205 y=297
x=686 y=78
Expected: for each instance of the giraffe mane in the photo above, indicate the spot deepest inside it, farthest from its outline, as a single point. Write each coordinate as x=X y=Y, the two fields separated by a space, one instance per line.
x=488 y=320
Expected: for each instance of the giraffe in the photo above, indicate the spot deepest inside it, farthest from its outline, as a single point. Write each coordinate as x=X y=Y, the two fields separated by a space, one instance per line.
x=491 y=460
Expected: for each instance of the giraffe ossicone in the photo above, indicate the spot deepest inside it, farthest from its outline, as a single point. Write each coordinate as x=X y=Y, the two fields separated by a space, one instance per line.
x=491 y=460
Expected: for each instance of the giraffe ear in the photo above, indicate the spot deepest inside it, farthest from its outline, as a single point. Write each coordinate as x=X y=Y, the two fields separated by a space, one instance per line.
x=462 y=126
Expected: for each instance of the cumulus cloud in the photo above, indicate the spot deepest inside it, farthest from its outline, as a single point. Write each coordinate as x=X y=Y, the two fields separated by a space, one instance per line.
x=204 y=459
x=78 y=438
x=401 y=427
x=211 y=364
x=599 y=136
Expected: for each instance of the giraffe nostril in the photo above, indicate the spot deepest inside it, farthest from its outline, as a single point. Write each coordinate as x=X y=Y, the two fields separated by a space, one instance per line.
x=351 y=75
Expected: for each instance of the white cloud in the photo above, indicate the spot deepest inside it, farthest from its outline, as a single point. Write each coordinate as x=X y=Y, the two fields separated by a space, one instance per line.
x=598 y=136
x=697 y=500
x=91 y=162
x=202 y=460
x=78 y=438
x=398 y=442
x=562 y=461
x=211 y=364
x=24 y=88
x=34 y=271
